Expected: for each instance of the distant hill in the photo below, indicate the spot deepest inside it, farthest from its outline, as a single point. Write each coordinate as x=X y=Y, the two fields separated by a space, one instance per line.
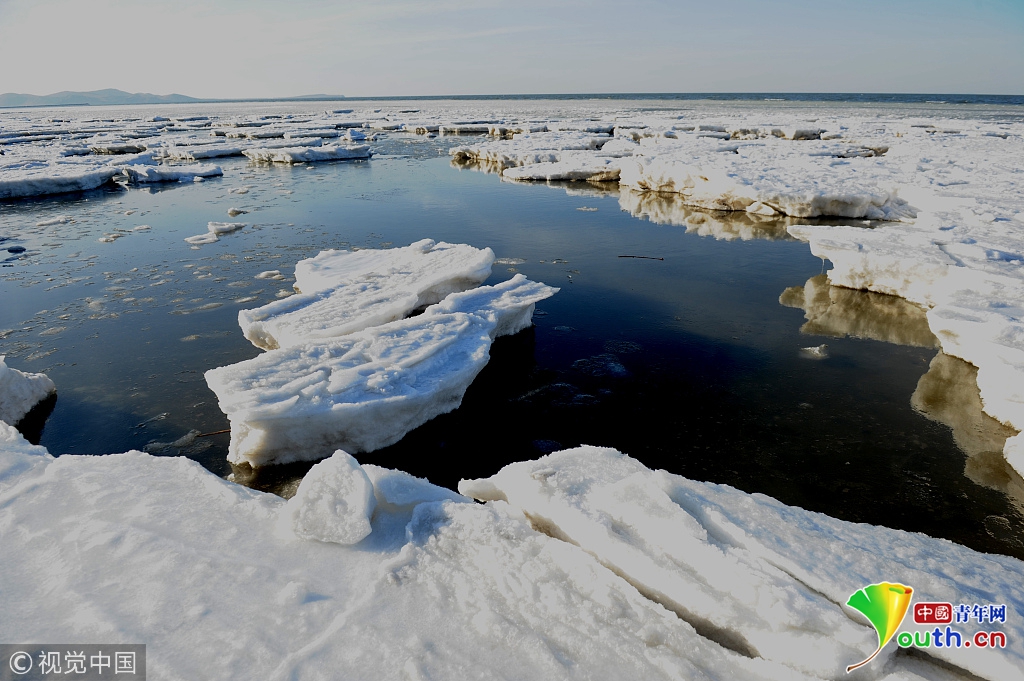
x=114 y=97
x=95 y=98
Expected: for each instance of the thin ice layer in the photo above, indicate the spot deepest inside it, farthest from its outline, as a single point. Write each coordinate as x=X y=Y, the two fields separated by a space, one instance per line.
x=20 y=391
x=759 y=577
x=347 y=291
x=366 y=390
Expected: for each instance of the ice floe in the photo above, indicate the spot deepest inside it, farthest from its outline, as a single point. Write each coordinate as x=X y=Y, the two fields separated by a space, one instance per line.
x=582 y=564
x=761 y=578
x=366 y=390
x=141 y=174
x=345 y=291
x=37 y=178
x=297 y=154
x=20 y=391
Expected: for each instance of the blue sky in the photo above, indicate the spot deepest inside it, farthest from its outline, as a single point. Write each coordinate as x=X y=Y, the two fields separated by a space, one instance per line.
x=255 y=48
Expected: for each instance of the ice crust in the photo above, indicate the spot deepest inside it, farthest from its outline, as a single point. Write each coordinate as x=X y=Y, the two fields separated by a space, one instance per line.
x=442 y=588
x=20 y=391
x=345 y=291
x=367 y=389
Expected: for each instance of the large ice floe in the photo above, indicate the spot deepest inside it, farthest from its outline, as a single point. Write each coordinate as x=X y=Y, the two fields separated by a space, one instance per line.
x=367 y=389
x=583 y=564
x=20 y=391
x=297 y=154
x=345 y=291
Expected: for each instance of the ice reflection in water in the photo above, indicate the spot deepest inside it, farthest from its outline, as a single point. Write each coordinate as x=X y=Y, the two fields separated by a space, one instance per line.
x=839 y=312
x=669 y=209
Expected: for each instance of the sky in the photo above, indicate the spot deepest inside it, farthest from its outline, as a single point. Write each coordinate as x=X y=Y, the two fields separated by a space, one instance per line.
x=258 y=48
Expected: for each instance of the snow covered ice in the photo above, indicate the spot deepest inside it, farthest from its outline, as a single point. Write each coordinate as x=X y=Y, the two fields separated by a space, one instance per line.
x=345 y=291
x=444 y=588
x=298 y=154
x=20 y=391
x=367 y=389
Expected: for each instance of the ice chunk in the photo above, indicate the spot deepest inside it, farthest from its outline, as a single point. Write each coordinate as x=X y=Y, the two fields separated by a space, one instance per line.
x=213 y=232
x=345 y=291
x=366 y=390
x=308 y=154
x=20 y=391
x=38 y=178
x=143 y=174
x=334 y=502
x=568 y=168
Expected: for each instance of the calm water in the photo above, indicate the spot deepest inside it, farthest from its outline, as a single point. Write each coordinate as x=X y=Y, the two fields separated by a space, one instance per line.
x=684 y=359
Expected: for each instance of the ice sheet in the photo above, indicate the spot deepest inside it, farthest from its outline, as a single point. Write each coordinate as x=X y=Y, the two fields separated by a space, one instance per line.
x=345 y=291
x=366 y=390
x=328 y=152
x=141 y=174
x=759 y=577
x=441 y=588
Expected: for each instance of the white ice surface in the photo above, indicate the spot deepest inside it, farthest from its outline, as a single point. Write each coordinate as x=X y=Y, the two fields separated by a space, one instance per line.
x=146 y=173
x=40 y=177
x=20 y=391
x=747 y=571
x=345 y=291
x=334 y=502
x=132 y=547
x=307 y=154
x=367 y=389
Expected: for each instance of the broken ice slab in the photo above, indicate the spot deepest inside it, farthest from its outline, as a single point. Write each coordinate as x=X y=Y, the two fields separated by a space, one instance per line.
x=366 y=390
x=141 y=174
x=328 y=152
x=19 y=392
x=346 y=291
x=39 y=178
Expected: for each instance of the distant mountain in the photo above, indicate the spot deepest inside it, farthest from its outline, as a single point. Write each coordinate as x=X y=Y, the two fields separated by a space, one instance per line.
x=96 y=98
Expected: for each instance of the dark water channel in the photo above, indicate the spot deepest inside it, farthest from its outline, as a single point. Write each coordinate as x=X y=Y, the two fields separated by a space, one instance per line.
x=684 y=359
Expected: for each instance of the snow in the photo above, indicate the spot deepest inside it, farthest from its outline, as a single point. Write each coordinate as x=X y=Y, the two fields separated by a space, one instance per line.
x=20 y=391
x=297 y=154
x=345 y=291
x=157 y=549
x=366 y=390
x=145 y=173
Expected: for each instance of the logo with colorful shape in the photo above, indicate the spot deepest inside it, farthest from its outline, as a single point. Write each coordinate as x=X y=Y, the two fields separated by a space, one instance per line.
x=885 y=605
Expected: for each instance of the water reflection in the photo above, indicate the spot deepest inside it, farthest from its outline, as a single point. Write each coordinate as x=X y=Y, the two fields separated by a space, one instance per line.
x=948 y=394
x=669 y=209
x=838 y=312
